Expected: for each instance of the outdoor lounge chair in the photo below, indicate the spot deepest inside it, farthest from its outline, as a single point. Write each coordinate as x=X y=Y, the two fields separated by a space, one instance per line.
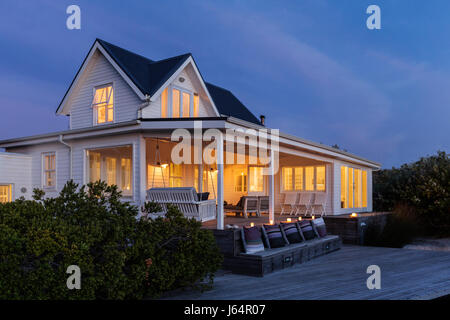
x=186 y=199
x=290 y=202
x=319 y=204
x=263 y=204
x=246 y=205
x=304 y=203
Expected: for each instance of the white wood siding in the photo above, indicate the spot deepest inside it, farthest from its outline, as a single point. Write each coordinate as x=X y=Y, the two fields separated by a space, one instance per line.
x=62 y=164
x=99 y=72
x=15 y=170
x=190 y=83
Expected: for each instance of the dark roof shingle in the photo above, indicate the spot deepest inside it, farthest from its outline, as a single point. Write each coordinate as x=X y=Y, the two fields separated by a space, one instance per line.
x=149 y=76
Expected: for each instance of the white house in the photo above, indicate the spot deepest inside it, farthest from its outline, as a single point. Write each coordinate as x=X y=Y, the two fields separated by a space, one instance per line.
x=123 y=109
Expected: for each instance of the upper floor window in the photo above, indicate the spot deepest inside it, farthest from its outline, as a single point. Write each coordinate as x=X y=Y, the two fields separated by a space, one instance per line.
x=49 y=170
x=179 y=103
x=103 y=104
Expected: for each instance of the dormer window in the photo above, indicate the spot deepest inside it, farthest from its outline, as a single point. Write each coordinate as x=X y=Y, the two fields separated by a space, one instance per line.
x=179 y=103
x=103 y=104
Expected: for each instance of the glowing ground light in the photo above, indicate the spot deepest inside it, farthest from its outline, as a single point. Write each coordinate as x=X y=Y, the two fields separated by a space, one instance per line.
x=354 y=215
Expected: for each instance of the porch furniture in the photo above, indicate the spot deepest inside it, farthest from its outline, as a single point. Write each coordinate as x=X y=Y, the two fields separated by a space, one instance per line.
x=290 y=202
x=304 y=203
x=263 y=204
x=186 y=200
x=270 y=260
x=319 y=204
x=246 y=205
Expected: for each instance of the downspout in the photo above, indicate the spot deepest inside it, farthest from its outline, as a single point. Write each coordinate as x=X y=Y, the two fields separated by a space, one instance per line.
x=70 y=153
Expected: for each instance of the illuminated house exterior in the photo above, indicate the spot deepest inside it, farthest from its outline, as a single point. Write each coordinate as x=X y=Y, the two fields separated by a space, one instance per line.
x=123 y=107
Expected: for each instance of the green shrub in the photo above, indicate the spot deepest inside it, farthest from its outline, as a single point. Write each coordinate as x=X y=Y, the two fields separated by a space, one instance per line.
x=401 y=227
x=120 y=257
x=423 y=185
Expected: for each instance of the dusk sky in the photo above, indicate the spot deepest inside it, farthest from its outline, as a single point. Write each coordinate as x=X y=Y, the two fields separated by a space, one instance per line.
x=311 y=67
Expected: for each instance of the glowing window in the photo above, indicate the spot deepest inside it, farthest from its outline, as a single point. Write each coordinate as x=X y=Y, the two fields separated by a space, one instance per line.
x=103 y=104
x=196 y=102
x=256 y=179
x=344 y=187
x=186 y=104
x=49 y=170
x=164 y=104
x=5 y=193
x=309 y=178
x=240 y=182
x=94 y=166
x=320 y=178
x=298 y=178
x=287 y=179
x=176 y=175
x=125 y=179
x=111 y=171
x=364 y=188
x=175 y=103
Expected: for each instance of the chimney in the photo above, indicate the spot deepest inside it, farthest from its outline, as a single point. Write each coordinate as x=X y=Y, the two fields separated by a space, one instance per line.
x=263 y=119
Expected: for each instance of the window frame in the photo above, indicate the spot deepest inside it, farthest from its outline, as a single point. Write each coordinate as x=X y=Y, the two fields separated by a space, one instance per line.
x=10 y=193
x=43 y=171
x=95 y=109
x=86 y=175
x=182 y=90
x=350 y=191
x=303 y=183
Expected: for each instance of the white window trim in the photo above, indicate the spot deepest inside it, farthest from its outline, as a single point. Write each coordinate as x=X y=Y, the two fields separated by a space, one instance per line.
x=170 y=98
x=94 y=110
x=12 y=189
x=133 y=172
x=44 y=187
x=353 y=208
x=283 y=190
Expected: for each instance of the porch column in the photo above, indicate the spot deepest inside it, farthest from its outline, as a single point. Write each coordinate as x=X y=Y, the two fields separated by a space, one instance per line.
x=271 y=188
x=142 y=174
x=219 y=159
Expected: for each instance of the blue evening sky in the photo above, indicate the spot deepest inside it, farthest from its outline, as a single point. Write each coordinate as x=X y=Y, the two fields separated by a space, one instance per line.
x=312 y=67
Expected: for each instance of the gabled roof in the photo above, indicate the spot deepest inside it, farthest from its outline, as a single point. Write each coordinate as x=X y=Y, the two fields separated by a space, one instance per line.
x=229 y=105
x=149 y=76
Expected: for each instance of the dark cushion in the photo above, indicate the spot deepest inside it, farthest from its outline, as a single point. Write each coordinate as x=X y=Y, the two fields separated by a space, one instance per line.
x=292 y=232
x=251 y=239
x=275 y=237
x=307 y=229
x=319 y=226
x=203 y=196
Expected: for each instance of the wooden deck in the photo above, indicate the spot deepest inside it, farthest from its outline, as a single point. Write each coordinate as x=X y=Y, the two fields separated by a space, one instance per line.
x=240 y=221
x=405 y=274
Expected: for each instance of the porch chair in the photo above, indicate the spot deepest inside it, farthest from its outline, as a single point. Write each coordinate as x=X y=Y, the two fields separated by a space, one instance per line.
x=290 y=202
x=263 y=204
x=186 y=199
x=246 y=206
x=304 y=203
x=320 y=202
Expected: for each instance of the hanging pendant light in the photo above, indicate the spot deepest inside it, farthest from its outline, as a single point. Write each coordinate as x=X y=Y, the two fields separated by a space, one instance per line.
x=159 y=165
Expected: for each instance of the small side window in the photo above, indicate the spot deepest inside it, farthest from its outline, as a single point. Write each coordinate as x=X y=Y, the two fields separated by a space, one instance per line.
x=49 y=170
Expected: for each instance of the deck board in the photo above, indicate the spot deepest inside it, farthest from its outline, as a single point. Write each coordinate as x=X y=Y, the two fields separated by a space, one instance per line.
x=405 y=274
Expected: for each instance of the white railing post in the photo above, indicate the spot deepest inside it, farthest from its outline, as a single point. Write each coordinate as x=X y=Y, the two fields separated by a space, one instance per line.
x=271 y=188
x=142 y=178
x=219 y=159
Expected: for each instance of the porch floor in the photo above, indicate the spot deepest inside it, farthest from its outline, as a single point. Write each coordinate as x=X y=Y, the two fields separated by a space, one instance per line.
x=405 y=274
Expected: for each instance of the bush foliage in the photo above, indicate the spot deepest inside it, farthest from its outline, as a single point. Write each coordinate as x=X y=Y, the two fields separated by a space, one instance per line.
x=422 y=187
x=120 y=256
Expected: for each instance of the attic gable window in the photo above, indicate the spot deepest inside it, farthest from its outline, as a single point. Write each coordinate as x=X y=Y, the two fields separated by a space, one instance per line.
x=179 y=103
x=103 y=104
